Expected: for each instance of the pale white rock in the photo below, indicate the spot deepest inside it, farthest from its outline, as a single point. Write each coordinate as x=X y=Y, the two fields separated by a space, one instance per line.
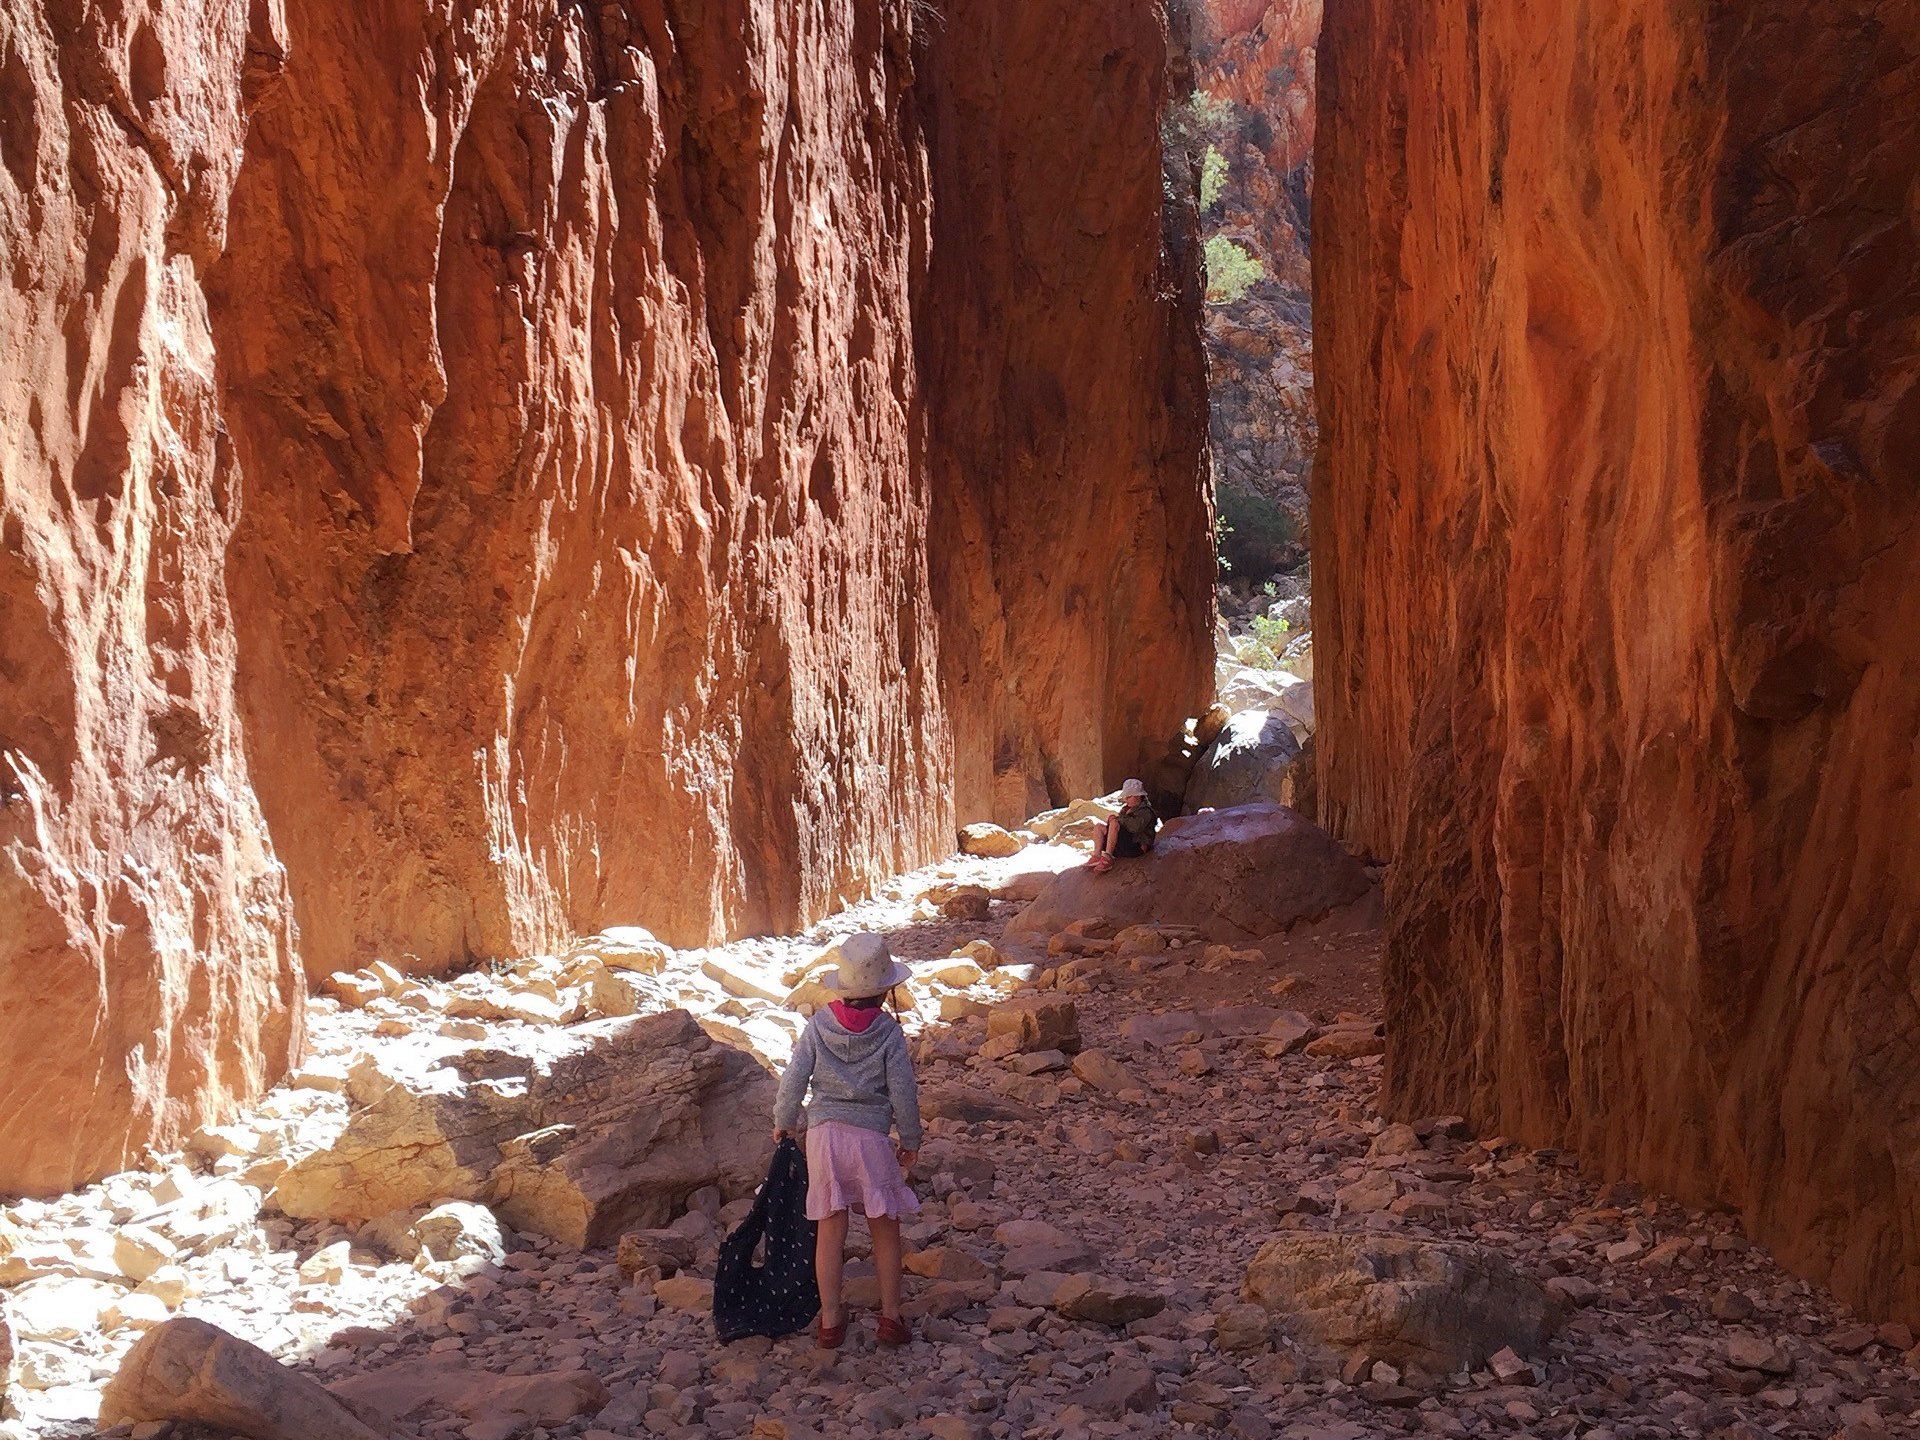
x=460 y=1231
x=989 y=840
x=140 y=1250
x=327 y=1265
x=626 y=947
x=136 y=1310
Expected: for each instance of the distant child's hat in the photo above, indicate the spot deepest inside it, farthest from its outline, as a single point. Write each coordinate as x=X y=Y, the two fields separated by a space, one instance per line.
x=1132 y=788
x=866 y=967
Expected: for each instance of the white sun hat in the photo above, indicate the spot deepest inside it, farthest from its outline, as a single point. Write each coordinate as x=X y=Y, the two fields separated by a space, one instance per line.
x=1133 y=787
x=866 y=967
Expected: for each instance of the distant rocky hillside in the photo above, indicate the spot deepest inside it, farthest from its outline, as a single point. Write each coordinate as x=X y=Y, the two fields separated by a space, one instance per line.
x=1251 y=119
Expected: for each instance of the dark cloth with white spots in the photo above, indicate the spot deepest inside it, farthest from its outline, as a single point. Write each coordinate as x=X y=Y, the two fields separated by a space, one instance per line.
x=779 y=1295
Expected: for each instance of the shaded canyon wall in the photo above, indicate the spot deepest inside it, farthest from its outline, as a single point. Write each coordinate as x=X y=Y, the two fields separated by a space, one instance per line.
x=1617 y=600
x=1061 y=356
x=472 y=475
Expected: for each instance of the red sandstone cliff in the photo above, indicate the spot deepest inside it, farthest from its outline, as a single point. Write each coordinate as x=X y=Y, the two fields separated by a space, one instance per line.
x=1617 y=600
x=471 y=477
x=1068 y=433
x=147 y=965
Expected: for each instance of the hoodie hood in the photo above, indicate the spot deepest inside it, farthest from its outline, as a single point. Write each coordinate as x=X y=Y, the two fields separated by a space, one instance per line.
x=847 y=1047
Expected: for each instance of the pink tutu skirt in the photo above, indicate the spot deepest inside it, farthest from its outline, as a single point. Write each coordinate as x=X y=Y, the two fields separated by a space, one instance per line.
x=850 y=1167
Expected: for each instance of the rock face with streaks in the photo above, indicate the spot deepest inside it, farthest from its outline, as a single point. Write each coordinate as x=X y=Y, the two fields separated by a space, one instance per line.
x=1068 y=436
x=148 y=976
x=471 y=479
x=1615 y=579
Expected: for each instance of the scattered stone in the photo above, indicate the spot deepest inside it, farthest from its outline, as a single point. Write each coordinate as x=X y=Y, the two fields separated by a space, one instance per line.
x=1104 y=1073
x=1106 y=1301
x=685 y=1292
x=1349 y=1042
x=654 y=1252
x=460 y=1232
x=1746 y=1351
x=1232 y=875
x=1036 y=1022
x=1239 y=1329
x=1127 y=1388
x=327 y=1266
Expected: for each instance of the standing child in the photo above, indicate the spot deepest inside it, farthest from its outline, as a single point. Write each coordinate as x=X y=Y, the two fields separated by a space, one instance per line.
x=855 y=1056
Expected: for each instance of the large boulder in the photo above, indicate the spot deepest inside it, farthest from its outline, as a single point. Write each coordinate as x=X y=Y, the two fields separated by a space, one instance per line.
x=1231 y=875
x=186 y=1369
x=1250 y=760
x=577 y=1134
x=1422 y=1306
x=1249 y=687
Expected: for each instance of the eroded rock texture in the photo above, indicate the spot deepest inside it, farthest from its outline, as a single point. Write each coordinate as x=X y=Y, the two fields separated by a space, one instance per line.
x=147 y=967
x=473 y=475
x=1061 y=354
x=1616 y=579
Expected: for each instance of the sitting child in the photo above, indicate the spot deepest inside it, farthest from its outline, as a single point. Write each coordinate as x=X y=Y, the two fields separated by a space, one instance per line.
x=1131 y=832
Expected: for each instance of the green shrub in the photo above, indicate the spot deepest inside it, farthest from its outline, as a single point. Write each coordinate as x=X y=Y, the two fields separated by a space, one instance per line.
x=1255 y=535
x=1231 y=271
x=1213 y=177
x=1272 y=631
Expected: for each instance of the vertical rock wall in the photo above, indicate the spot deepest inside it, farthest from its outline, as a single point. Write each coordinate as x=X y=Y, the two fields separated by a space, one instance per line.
x=471 y=476
x=147 y=972
x=586 y=576
x=1617 y=600
x=1060 y=352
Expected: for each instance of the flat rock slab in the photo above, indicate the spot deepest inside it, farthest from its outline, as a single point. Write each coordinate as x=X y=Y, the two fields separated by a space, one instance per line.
x=1423 y=1306
x=1232 y=875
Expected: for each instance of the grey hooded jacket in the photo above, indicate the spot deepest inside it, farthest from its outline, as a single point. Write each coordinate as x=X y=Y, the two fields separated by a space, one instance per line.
x=865 y=1079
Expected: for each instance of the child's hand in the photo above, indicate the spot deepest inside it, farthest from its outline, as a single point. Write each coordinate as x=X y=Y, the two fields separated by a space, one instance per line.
x=779 y=1135
x=908 y=1158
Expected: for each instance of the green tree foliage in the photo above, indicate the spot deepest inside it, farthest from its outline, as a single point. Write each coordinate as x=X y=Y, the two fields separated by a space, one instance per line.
x=1256 y=536
x=1213 y=177
x=1231 y=271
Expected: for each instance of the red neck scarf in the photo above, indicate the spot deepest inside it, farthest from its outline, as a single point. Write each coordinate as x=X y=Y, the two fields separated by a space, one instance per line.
x=855 y=1020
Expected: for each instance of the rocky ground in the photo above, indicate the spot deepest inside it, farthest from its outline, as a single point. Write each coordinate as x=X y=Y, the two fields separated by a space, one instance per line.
x=1118 y=1132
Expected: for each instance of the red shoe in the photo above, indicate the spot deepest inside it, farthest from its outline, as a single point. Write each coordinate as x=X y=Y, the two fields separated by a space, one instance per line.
x=829 y=1337
x=894 y=1332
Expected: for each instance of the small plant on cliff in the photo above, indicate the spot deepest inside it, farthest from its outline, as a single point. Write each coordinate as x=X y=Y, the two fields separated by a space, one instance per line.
x=1272 y=631
x=1231 y=271
x=1213 y=177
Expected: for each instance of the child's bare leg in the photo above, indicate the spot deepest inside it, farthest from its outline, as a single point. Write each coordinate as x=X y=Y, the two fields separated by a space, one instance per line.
x=829 y=1256
x=1109 y=838
x=885 y=1230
